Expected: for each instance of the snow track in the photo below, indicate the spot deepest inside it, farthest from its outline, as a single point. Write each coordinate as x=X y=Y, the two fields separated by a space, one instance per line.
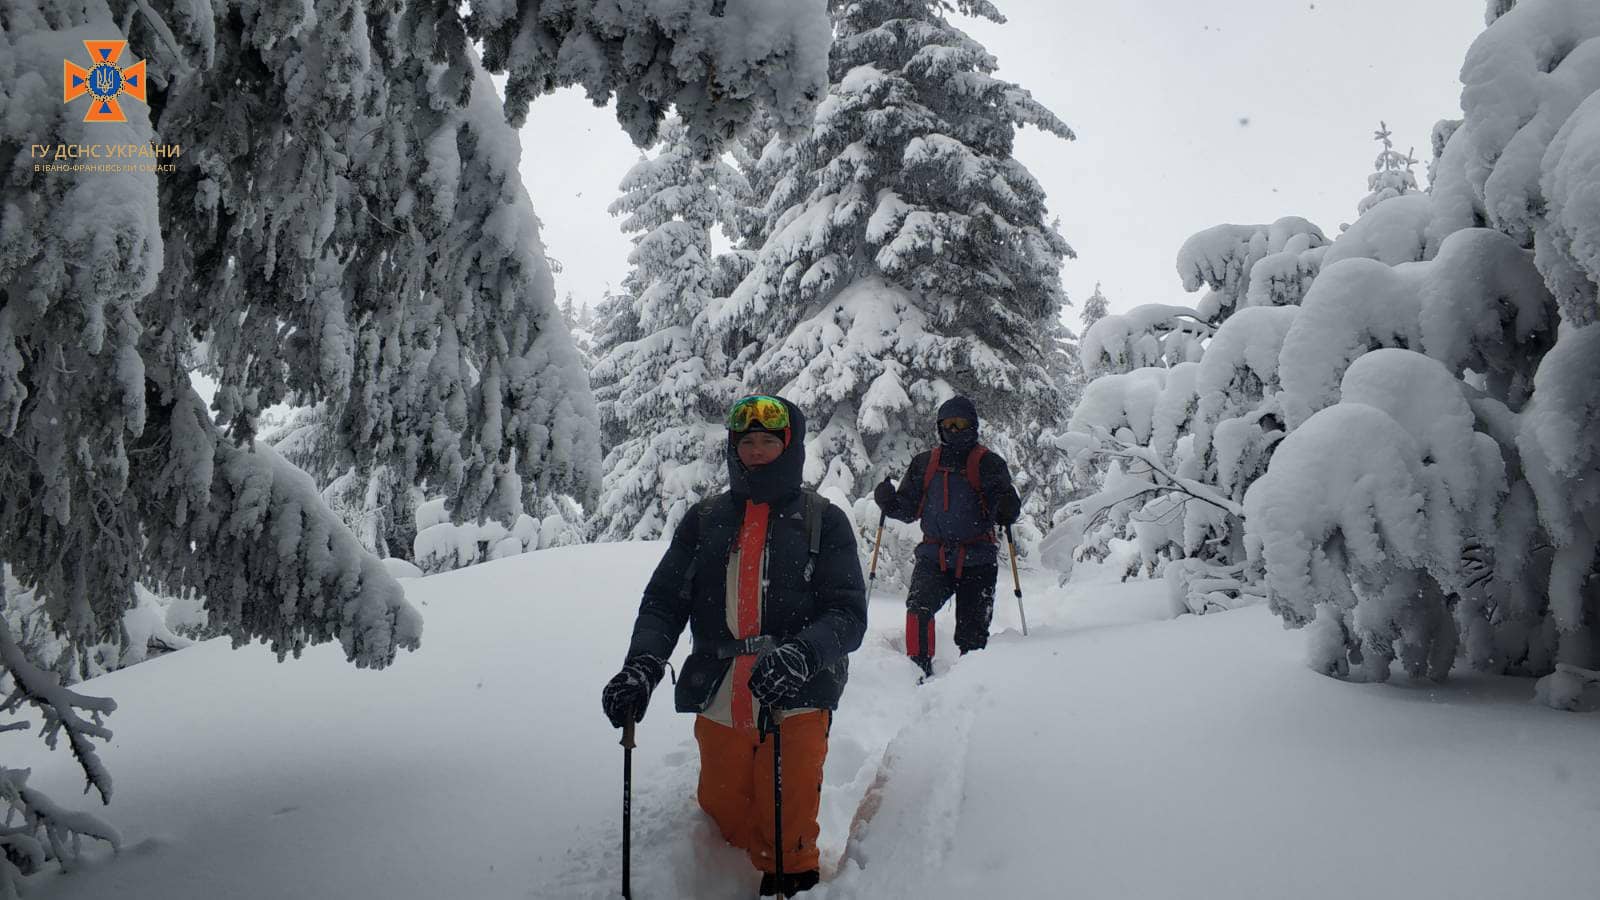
x=912 y=829
x=886 y=728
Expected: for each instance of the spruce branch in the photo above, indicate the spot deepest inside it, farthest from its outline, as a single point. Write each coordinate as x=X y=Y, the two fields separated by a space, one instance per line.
x=59 y=707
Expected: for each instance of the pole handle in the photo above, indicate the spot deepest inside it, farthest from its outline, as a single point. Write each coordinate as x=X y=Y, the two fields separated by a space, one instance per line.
x=627 y=735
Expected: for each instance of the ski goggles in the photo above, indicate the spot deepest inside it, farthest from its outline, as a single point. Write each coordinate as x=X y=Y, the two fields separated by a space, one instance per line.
x=768 y=412
x=955 y=424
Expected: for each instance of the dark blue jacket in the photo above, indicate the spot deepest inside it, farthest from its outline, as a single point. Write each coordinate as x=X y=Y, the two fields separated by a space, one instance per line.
x=689 y=586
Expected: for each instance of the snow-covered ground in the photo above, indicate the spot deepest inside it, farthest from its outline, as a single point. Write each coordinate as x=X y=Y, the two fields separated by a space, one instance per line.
x=1114 y=752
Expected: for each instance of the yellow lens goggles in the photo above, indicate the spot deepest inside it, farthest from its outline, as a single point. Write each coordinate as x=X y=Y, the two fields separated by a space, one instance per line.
x=768 y=412
x=955 y=424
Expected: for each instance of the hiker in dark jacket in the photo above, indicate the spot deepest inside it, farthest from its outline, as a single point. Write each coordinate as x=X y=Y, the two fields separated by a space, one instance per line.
x=767 y=580
x=960 y=490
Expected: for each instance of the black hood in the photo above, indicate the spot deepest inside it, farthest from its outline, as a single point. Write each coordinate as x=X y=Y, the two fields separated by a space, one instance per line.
x=958 y=408
x=779 y=478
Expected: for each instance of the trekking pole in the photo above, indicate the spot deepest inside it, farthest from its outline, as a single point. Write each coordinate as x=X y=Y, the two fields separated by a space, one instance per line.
x=770 y=720
x=872 y=571
x=1016 y=580
x=627 y=803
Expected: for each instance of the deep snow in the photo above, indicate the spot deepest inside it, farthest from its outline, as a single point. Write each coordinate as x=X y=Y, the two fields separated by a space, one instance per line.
x=1111 y=753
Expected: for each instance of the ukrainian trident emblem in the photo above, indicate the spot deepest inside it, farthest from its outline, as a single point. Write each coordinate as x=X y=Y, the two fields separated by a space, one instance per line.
x=104 y=81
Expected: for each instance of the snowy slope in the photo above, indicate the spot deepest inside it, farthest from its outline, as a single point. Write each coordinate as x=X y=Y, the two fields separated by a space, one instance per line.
x=1111 y=753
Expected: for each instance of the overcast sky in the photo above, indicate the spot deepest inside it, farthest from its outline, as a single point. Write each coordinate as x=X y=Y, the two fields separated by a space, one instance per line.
x=1188 y=113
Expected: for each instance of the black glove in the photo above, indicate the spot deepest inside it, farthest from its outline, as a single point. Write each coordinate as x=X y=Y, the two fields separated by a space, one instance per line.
x=884 y=494
x=1006 y=510
x=780 y=673
x=628 y=692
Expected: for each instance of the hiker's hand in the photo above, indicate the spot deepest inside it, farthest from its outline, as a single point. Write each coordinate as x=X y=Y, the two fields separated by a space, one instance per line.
x=1006 y=510
x=779 y=674
x=628 y=692
x=884 y=495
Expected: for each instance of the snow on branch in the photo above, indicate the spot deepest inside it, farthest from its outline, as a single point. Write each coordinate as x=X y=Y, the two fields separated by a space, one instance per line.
x=1479 y=304
x=254 y=538
x=63 y=829
x=1165 y=479
x=42 y=821
x=1150 y=335
x=1566 y=251
x=59 y=707
x=1223 y=256
x=1522 y=80
x=1393 y=232
x=714 y=60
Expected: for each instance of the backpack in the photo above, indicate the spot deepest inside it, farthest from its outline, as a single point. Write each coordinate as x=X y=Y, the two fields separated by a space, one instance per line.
x=973 y=458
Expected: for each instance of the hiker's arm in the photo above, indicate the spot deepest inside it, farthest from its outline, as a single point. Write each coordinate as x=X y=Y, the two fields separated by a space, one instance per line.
x=998 y=491
x=841 y=619
x=663 y=612
x=908 y=495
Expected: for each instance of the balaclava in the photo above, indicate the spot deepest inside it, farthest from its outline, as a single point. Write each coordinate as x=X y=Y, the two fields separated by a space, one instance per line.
x=779 y=478
x=958 y=408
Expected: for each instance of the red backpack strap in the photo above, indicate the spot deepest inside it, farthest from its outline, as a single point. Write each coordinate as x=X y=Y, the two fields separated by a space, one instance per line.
x=927 y=479
x=973 y=459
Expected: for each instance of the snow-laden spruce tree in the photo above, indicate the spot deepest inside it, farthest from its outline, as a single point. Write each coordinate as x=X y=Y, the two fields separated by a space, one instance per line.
x=580 y=322
x=1095 y=308
x=1386 y=549
x=342 y=225
x=1051 y=483
x=1391 y=176
x=452 y=388
x=1182 y=415
x=662 y=395
x=907 y=254
x=1452 y=476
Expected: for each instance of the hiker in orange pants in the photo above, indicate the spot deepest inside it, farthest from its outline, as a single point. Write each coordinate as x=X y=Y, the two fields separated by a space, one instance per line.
x=766 y=578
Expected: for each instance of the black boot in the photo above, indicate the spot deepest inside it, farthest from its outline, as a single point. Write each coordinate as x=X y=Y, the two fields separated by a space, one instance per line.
x=793 y=883
x=926 y=665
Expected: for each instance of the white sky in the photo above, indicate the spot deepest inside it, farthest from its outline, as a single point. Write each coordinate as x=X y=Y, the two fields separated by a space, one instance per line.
x=1188 y=114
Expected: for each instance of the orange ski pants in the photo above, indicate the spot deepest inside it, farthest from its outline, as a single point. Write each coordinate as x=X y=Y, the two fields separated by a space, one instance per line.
x=736 y=787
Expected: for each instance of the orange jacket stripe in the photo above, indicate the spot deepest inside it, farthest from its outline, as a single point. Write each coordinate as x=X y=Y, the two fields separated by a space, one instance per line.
x=752 y=546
